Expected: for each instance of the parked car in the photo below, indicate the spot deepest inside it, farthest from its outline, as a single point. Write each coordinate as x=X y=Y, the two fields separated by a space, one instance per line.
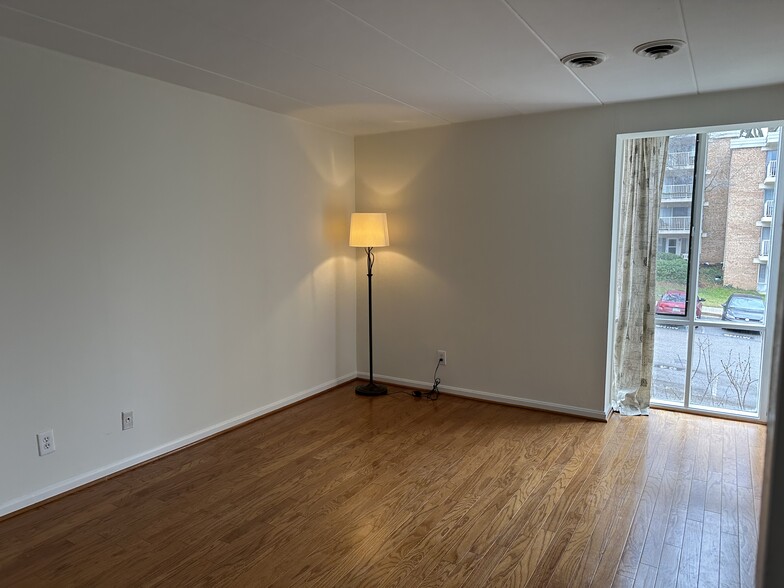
x=674 y=302
x=744 y=307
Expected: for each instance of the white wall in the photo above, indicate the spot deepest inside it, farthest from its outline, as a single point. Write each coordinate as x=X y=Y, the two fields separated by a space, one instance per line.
x=162 y=251
x=500 y=237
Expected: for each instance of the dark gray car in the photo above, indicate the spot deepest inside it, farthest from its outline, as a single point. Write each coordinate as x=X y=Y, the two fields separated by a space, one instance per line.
x=744 y=308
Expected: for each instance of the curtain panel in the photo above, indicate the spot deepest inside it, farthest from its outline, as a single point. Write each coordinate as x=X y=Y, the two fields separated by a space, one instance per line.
x=644 y=164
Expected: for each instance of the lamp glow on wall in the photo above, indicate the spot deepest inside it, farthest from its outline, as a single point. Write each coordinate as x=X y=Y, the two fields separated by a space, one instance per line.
x=369 y=230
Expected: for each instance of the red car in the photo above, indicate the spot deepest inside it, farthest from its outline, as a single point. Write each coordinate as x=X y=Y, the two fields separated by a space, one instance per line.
x=674 y=302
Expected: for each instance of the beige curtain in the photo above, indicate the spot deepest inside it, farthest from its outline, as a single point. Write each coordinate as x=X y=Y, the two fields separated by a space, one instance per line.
x=644 y=162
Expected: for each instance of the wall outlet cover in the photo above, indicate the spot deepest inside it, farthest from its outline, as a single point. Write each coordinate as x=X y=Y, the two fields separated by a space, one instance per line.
x=45 y=442
x=127 y=420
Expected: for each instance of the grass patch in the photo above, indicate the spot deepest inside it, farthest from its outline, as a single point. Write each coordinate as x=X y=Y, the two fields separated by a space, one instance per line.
x=671 y=275
x=717 y=295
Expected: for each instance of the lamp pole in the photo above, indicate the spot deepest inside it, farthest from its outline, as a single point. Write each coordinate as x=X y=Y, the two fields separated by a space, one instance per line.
x=370 y=259
x=370 y=389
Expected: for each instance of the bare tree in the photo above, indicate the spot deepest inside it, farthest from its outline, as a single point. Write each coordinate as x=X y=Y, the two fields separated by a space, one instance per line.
x=704 y=357
x=738 y=373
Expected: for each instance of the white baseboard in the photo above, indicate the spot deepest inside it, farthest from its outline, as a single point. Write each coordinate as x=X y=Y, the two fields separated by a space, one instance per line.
x=102 y=472
x=500 y=398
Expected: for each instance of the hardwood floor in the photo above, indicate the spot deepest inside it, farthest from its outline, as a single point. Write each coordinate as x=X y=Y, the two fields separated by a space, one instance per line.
x=394 y=491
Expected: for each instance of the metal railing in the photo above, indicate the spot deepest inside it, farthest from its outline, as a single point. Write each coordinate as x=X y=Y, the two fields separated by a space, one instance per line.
x=765 y=248
x=680 y=159
x=772 y=169
x=674 y=223
x=767 y=209
x=677 y=191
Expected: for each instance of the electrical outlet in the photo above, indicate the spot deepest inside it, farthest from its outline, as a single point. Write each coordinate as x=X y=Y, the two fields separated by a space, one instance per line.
x=127 y=420
x=441 y=357
x=45 y=442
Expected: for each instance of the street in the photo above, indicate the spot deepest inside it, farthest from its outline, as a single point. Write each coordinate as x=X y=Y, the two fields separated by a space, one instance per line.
x=725 y=367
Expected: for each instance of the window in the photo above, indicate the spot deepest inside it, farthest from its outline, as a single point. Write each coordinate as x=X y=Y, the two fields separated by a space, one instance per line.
x=712 y=273
x=762 y=276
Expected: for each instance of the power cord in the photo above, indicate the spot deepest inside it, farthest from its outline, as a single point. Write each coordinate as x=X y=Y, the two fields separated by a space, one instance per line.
x=434 y=392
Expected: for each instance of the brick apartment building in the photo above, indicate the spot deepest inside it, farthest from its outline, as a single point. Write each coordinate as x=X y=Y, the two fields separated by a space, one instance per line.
x=738 y=204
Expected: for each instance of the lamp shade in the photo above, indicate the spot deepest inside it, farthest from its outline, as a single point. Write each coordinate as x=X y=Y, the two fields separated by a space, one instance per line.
x=368 y=229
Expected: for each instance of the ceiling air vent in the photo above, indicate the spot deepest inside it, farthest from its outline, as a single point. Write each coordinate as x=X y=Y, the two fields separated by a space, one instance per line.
x=584 y=59
x=659 y=49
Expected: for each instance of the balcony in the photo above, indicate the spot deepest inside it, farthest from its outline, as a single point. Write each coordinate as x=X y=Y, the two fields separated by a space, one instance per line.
x=677 y=192
x=770 y=173
x=764 y=251
x=680 y=159
x=767 y=213
x=674 y=224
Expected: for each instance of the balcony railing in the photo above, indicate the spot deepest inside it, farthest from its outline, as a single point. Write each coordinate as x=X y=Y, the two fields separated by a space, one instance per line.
x=767 y=209
x=765 y=248
x=674 y=223
x=680 y=159
x=772 y=169
x=677 y=191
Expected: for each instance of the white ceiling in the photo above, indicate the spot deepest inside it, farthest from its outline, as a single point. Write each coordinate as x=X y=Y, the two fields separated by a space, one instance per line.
x=366 y=66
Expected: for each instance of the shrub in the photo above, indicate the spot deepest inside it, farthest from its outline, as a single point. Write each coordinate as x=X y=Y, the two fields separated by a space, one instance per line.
x=671 y=268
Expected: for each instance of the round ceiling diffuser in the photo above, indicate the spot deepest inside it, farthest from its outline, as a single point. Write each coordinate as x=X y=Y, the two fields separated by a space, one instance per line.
x=584 y=59
x=659 y=49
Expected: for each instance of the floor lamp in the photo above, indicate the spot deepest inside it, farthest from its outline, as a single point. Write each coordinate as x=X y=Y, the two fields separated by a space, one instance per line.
x=369 y=230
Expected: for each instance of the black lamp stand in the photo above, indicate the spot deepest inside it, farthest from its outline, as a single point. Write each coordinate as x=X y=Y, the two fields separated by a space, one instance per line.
x=371 y=388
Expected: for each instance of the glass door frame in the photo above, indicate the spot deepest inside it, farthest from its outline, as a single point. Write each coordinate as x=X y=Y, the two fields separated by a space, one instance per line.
x=690 y=320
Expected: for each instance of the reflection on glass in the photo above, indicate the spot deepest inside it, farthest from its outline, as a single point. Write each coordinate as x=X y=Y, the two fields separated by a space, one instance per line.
x=673 y=238
x=737 y=215
x=669 y=363
x=726 y=369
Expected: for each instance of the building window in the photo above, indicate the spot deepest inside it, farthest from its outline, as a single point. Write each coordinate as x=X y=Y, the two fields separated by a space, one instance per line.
x=762 y=276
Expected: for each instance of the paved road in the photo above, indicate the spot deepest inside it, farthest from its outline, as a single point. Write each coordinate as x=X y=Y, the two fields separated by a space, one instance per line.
x=721 y=358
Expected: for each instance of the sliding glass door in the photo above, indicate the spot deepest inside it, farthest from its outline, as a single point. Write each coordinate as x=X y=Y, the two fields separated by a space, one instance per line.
x=715 y=271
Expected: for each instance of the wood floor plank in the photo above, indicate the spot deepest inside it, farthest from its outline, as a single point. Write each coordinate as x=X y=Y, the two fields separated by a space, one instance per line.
x=646 y=577
x=689 y=566
x=654 y=541
x=702 y=457
x=716 y=446
x=697 y=496
x=729 y=561
x=622 y=581
x=676 y=524
x=635 y=543
x=729 y=509
x=729 y=466
x=757 y=450
x=743 y=457
x=710 y=553
x=667 y=573
x=713 y=492
x=747 y=536
x=349 y=491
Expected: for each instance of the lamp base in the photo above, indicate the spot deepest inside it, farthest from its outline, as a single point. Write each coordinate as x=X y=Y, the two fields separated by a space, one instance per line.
x=371 y=389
